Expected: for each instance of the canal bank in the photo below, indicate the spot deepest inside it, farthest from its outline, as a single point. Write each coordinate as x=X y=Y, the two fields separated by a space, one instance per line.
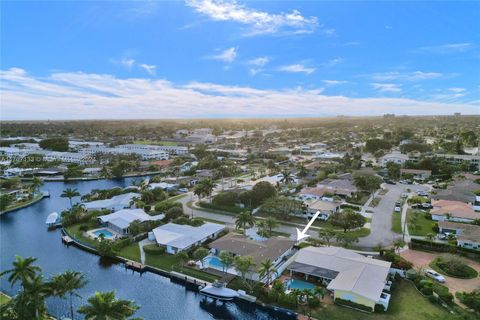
x=159 y=297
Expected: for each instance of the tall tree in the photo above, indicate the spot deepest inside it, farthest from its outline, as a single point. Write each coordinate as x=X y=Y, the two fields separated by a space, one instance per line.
x=200 y=254
x=244 y=265
x=227 y=259
x=244 y=219
x=271 y=223
x=36 y=183
x=326 y=234
x=70 y=193
x=287 y=177
x=267 y=269
x=105 y=306
x=22 y=270
x=69 y=282
x=347 y=219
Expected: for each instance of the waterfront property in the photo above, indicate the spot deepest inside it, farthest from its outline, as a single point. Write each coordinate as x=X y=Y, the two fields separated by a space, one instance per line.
x=178 y=237
x=453 y=211
x=274 y=248
x=122 y=201
x=349 y=275
x=468 y=235
x=119 y=221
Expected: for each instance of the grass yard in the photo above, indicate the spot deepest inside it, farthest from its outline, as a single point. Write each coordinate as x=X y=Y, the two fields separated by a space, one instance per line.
x=132 y=252
x=74 y=231
x=3 y=298
x=397 y=222
x=406 y=304
x=418 y=224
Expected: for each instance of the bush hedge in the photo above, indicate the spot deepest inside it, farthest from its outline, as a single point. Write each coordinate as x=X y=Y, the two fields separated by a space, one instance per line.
x=153 y=249
x=453 y=267
x=352 y=304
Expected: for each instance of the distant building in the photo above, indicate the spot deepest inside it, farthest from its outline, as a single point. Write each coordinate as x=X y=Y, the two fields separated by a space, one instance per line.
x=119 y=221
x=122 y=201
x=395 y=157
x=420 y=175
x=468 y=235
x=446 y=210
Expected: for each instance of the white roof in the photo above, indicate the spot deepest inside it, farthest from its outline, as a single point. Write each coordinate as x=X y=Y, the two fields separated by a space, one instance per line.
x=183 y=236
x=356 y=273
x=121 y=199
x=161 y=185
x=52 y=218
x=123 y=218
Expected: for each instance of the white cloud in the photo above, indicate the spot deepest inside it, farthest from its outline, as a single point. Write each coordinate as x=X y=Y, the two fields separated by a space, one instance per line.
x=457 y=90
x=151 y=69
x=227 y=55
x=333 y=62
x=127 y=62
x=77 y=95
x=386 y=87
x=259 y=22
x=296 y=68
x=409 y=76
x=334 y=82
x=330 y=32
x=448 y=48
x=260 y=61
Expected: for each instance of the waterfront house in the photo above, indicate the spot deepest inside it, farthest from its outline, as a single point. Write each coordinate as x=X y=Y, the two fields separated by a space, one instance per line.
x=453 y=211
x=274 y=248
x=349 y=275
x=119 y=221
x=122 y=201
x=178 y=237
x=468 y=235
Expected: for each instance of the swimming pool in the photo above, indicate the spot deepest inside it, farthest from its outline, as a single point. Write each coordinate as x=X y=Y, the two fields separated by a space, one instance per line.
x=299 y=284
x=106 y=233
x=213 y=262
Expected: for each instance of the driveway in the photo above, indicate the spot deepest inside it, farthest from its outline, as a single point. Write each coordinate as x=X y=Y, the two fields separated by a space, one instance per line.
x=381 y=226
x=422 y=259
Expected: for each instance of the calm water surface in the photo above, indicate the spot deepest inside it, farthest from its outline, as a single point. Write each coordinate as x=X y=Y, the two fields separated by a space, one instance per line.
x=23 y=232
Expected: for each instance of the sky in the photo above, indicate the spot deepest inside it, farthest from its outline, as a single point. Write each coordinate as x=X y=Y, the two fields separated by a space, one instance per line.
x=219 y=59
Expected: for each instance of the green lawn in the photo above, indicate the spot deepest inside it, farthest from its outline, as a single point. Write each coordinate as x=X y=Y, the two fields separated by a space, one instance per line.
x=375 y=201
x=74 y=231
x=418 y=224
x=397 y=222
x=406 y=303
x=132 y=252
x=170 y=262
x=4 y=298
x=23 y=203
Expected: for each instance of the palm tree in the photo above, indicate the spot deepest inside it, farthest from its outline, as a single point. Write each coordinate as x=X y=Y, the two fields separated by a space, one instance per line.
x=271 y=223
x=36 y=183
x=287 y=177
x=227 y=260
x=35 y=292
x=296 y=293
x=398 y=244
x=69 y=282
x=105 y=306
x=243 y=219
x=22 y=270
x=267 y=269
x=208 y=186
x=430 y=237
x=70 y=193
x=182 y=257
x=105 y=173
x=320 y=292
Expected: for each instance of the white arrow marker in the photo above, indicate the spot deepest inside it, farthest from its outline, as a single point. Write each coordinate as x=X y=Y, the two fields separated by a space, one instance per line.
x=301 y=234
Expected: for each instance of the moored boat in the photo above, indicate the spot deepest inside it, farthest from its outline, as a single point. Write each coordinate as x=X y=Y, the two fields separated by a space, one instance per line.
x=217 y=290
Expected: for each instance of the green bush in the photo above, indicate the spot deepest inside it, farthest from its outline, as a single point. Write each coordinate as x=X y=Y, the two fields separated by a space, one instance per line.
x=153 y=249
x=352 y=304
x=379 y=308
x=453 y=267
x=470 y=299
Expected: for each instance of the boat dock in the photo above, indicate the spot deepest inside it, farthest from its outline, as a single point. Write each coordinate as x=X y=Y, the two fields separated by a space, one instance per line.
x=66 y=239
x=137 y=266
x=189 y=279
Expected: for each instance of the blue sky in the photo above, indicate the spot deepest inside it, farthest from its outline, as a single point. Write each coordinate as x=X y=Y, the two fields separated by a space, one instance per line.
x=210 y=58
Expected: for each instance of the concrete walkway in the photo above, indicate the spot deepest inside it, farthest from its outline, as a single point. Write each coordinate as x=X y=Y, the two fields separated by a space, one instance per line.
x=142 y=253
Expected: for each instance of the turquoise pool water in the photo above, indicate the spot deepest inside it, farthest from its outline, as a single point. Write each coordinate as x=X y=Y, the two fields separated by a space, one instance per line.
x=214 y=262
x=106 y=233
x=298 y=284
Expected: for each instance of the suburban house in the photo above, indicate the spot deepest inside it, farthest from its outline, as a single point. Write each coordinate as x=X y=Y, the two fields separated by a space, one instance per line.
x=326 y=208
x=395 y=157
x=453 y=211
x=122 y=201
x=119 y=221
x=314 y=193
x=459 y=190
x=468 y=235
x=180 y=237
x=275 y=248
x=339 y=187
x=162 y=185
x=419 y=175
x=349 y=275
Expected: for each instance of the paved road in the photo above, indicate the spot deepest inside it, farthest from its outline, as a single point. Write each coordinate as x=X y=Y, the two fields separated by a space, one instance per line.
x=381 y=226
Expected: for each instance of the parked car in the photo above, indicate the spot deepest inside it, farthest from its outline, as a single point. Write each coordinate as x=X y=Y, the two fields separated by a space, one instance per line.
x=183 y=190
x=427 y=205
x=422 y=194
x=434 y=275
x=398 y=209
x=405 y=195
x=388 y=181
x=446 y=236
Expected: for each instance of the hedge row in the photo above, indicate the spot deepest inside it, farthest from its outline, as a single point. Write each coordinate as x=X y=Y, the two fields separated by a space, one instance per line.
x=444 y=247
x=153 y=249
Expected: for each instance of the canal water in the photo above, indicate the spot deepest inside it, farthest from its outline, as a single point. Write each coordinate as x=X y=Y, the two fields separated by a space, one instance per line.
x=24 y=233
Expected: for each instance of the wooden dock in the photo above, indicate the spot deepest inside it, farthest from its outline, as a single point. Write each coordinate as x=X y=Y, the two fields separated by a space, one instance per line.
x=137 y=266
x=66 y=239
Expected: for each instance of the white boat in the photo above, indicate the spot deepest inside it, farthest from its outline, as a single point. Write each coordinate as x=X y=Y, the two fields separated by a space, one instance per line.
x=217 y=290
x=52 y=219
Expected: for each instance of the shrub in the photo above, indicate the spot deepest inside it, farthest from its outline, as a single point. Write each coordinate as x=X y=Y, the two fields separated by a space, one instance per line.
x=225 y=199
x=163 y=206
x=397 y=261
x=379 y=308
x=470 y=299
x=153 y=249
x=83 y=228
x=352 y=304
x=443 y=293
x=454 y=267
